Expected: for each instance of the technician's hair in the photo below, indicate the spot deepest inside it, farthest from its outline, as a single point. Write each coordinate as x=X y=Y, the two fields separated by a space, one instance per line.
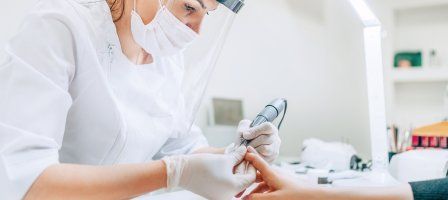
x=116 y=9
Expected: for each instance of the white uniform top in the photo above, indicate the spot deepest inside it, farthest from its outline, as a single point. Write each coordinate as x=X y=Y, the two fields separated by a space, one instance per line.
x=68 y=94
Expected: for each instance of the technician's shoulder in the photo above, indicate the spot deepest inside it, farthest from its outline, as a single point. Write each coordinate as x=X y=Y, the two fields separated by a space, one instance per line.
x=53 y=30
x=61 y=19
x=65 y=10
x=75 y=14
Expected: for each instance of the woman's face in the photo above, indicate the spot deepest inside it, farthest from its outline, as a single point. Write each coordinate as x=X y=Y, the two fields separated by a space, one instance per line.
x=191 y=12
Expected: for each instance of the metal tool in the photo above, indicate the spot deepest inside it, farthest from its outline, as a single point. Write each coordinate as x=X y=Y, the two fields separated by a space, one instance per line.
x=269 y=114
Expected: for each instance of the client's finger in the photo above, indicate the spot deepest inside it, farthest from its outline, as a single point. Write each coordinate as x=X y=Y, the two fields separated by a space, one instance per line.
x=258 y=162
x=261 y=188
x=262 y=140
x=259 y=196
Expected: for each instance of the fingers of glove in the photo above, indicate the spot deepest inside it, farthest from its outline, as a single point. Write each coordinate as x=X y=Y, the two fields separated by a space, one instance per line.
x=266 y=150
x=244 y=125
x=250 y=172
x=238 y=155
x=243 y=181
x=241 y=168
x=262 y=140
x=266 y=128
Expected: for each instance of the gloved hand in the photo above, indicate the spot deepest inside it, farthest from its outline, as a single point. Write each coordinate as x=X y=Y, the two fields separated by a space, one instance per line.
x=209 y=175
x=264 y=138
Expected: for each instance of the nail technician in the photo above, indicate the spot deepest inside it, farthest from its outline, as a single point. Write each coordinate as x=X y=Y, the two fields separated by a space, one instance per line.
x=98 y=100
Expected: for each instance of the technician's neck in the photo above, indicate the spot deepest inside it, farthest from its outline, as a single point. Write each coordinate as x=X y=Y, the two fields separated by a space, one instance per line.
x=129 y=47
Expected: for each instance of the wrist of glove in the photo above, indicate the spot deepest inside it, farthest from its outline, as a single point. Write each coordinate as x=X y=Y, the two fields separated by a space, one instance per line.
x=209 y=175
x=263 y=138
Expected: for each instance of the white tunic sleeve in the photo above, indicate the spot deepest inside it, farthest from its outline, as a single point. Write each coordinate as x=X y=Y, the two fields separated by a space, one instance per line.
x=184 y=145
x=34 y=101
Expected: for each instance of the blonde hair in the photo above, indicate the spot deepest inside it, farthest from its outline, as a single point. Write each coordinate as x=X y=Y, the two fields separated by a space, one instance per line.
x=116 y=9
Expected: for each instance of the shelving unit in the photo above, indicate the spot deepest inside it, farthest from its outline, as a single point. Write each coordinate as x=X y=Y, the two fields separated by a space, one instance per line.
x=424 y=74
x=416 y=96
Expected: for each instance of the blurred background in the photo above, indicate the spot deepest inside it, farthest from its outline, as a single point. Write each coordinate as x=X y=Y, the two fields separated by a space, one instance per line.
x=311 y=53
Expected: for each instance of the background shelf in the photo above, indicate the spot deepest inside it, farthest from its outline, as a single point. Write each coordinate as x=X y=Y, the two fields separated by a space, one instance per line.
x=424 y=74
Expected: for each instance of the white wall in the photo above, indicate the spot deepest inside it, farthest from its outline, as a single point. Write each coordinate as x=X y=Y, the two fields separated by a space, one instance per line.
x=273 y=51
x=423 y=29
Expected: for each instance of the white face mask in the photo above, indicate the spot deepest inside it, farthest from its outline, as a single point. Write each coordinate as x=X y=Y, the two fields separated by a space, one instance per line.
x=165 y=35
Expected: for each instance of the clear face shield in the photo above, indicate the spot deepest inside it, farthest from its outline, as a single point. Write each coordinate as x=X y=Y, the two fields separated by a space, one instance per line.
x=212 y=20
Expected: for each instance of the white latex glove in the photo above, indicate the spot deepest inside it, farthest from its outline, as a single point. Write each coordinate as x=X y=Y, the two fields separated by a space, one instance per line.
x=209 y=175
x=264 y=138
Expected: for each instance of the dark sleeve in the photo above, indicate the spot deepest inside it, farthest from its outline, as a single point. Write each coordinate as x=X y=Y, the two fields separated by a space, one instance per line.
x=430 y=190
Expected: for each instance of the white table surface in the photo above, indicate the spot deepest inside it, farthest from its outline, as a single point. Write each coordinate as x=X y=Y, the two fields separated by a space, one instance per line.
x=183 y=194
x=352 y=179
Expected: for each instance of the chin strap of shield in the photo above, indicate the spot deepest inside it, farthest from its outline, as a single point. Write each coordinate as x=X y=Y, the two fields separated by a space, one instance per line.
x=234 y=5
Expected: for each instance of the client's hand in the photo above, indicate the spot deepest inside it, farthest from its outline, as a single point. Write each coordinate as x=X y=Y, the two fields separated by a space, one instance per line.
x=210 y=175
x=273 y=185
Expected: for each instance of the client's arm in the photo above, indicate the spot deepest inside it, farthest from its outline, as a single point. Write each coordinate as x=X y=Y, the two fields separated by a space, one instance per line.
x=274 y=186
